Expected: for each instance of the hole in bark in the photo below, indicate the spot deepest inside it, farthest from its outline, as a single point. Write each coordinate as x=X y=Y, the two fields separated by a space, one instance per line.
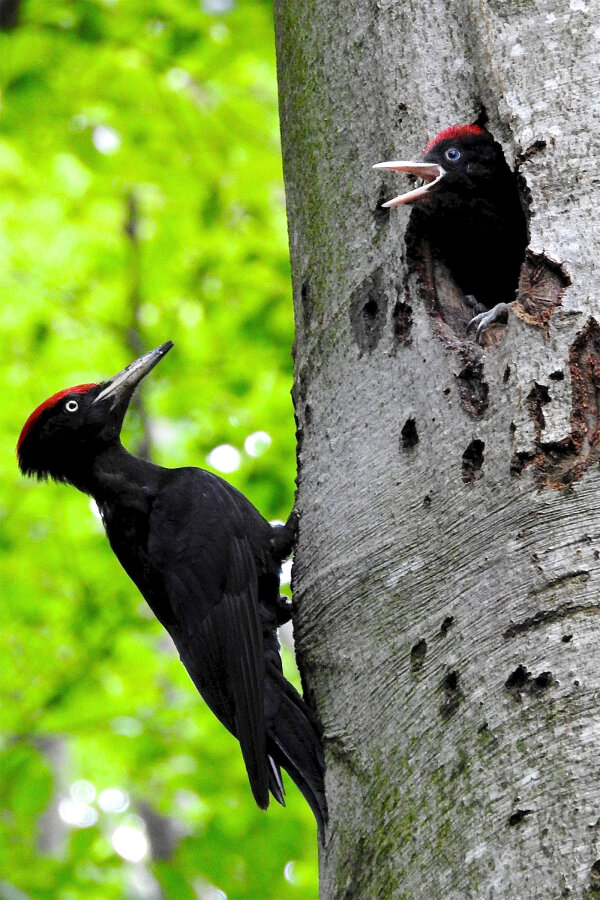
x=473 y=389
x=518 y=816
x=447 y=625
x=451 y=682
x=567 y=638
x=521 y=681
x=517 y=680
x=408 y=435
x=368 y=309
x=302 y=386
x=557 y=376
x=381 y=214
x=427 y=500
x=453 y=694
x=402 y=321
x=417 y=655
x=506 y=375
x=519 y=461
x=308 y=414
x=306 y=301
x=538 y=397
x=543 y=681
x=370 y=313
x=472 y=461
x=299 y=437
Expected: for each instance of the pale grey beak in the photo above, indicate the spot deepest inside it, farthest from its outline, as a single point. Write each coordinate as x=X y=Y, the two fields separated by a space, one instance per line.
x=122 y=385
x=431 y=174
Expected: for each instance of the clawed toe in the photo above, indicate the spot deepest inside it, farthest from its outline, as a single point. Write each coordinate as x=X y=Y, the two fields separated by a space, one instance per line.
x=483 y=320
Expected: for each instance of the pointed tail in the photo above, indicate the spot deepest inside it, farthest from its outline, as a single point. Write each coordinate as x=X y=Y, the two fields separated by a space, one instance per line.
x=294 y=743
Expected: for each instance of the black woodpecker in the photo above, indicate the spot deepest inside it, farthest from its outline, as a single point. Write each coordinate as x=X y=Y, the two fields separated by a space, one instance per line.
x=208 y=565
x=469 y=210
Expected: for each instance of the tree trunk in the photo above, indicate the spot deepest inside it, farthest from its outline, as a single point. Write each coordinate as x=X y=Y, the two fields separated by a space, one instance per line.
x=447 y=572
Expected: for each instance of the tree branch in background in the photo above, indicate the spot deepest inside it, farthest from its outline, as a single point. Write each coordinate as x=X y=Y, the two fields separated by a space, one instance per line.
x=9 y=14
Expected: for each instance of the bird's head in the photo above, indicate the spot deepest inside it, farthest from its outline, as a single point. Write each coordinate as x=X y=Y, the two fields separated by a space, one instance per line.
x=463 y=160
x=65 y=433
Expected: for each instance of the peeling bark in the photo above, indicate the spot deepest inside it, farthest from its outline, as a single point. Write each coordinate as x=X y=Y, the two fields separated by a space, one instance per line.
x=447 y=587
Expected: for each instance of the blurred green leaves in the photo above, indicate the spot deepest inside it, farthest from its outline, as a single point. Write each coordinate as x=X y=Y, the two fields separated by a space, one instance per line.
x=141 y=200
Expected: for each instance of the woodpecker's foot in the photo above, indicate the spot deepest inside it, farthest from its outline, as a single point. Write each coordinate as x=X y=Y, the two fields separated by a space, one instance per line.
x=274 y=613
x=283 y=610
x=483 y=320
x=284 y=537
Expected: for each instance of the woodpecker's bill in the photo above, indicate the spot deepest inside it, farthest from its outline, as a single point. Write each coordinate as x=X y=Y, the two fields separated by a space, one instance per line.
x=208 y=565
x=469 y=209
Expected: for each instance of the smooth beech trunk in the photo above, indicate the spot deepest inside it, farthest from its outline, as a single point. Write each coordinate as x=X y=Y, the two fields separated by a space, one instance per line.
x=447 y=577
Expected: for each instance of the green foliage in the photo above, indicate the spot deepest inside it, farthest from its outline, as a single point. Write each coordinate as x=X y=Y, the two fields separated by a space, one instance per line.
x=141 y=200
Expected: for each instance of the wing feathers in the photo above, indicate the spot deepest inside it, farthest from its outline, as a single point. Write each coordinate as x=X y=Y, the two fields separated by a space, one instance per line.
x=245 y=664
x=215 y=554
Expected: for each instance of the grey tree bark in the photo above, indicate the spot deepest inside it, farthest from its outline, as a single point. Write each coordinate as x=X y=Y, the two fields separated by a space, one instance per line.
x=448 y=568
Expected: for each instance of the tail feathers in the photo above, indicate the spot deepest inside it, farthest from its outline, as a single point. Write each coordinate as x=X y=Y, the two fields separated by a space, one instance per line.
x=275 y=782
x=294 y=743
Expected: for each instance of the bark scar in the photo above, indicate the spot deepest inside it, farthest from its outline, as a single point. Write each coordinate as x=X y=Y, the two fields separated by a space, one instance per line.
x=549 y=616
x=368 y=311
x=473 y=389
x=542 y=284
x=559 y=463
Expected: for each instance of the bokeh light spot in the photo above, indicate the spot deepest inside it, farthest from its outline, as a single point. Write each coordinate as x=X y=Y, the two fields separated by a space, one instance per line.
x=130 y=843
x=106 y=140
x=224 y=458
x=84 y=791
x=257 y=442
x=113 y=800
x=76 y=813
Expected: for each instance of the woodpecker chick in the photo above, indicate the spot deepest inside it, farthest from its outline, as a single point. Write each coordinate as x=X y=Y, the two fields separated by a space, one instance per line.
x=469 y=210
x=208 y=565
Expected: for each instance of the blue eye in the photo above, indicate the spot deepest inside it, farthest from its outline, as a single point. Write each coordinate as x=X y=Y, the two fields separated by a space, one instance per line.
x=452 y=154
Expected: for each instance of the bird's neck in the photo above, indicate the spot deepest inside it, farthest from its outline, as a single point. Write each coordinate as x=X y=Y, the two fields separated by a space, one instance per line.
x=115 y=474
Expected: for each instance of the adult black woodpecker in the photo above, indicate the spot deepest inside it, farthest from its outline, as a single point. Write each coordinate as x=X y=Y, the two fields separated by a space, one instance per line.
x=208 y=565
x=469 y=210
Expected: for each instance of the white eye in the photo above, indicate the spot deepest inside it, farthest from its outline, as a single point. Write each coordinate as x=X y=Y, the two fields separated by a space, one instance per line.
x=452 y=154
x=71 y=406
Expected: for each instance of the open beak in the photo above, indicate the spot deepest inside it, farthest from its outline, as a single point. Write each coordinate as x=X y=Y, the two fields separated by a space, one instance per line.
x=431 y=174
x=122 y=385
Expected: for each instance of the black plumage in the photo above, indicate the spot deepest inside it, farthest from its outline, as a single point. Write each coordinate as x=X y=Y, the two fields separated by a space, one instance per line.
x=208 y=565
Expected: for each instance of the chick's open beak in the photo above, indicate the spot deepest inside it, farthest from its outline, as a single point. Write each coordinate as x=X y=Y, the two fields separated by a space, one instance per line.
x=431 y=174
